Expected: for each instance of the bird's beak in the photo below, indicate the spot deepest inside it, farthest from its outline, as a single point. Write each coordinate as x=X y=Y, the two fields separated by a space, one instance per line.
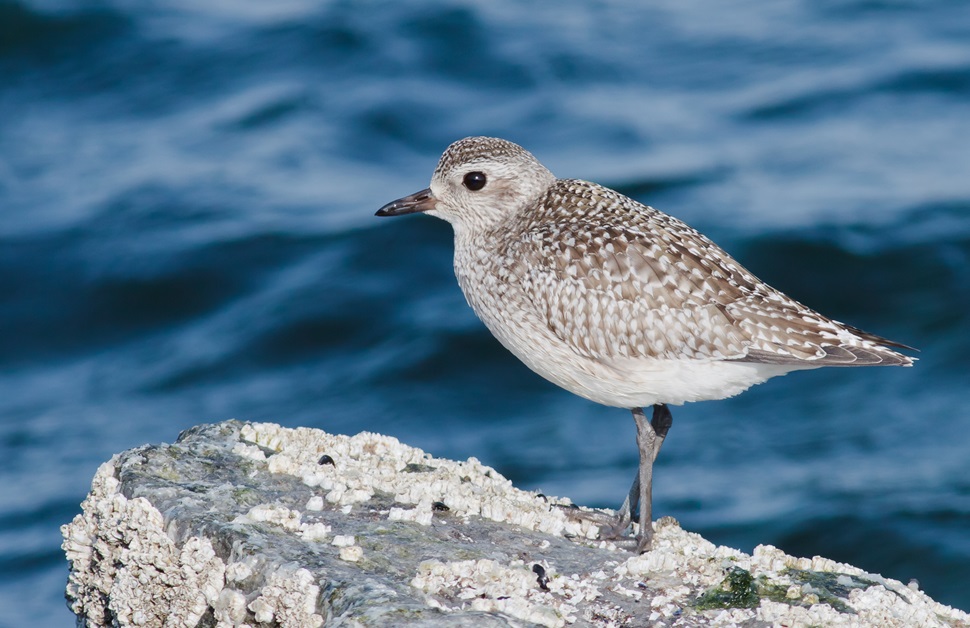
x=418 y=202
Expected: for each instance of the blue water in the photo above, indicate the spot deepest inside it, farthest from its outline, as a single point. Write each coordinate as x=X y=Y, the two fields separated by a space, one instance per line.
x=187 y=236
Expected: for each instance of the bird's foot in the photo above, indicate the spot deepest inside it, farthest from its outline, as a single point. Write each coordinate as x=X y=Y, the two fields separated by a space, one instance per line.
x=645 y=542
x=600 y=518
x=615 y=530
x=645 y=539
x=622 y=530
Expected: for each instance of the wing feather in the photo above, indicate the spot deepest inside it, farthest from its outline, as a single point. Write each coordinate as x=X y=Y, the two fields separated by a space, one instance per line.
x=623 y=280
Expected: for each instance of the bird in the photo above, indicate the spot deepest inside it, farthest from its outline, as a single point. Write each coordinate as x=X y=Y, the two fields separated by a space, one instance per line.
x=616 y=301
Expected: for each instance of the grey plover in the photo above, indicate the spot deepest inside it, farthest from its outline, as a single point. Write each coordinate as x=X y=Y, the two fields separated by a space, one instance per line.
x=618 y=302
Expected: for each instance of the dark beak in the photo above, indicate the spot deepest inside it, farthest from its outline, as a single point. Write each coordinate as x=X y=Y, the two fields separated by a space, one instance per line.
x=418 y=202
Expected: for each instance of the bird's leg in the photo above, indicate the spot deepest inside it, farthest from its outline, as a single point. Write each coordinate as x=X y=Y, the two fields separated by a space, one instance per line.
x=661 y=422
x=650 y=436
x=630 y=504
x=649 y=439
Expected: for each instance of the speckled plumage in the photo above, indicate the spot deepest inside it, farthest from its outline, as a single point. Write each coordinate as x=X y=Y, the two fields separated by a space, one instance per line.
x=593 y=259
x=612 y=299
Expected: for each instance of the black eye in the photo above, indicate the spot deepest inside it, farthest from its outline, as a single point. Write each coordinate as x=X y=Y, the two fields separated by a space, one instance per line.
x=474 y=181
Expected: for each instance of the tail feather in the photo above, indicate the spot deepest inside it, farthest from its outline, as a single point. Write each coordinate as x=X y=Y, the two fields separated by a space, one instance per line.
x=837 y=355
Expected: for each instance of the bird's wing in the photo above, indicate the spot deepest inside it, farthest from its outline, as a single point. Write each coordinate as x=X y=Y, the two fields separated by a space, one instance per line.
x=622 y=280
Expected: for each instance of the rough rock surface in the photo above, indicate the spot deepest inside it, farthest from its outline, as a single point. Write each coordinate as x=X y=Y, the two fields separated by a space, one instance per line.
x=257 y=525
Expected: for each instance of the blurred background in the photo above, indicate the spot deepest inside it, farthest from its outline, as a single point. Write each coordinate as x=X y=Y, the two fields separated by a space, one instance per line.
x=187 y=235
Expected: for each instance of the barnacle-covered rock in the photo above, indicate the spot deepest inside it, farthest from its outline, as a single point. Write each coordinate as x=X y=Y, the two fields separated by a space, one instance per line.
x=240 y=524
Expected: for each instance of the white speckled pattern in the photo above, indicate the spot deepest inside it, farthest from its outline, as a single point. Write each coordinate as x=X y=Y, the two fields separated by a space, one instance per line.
x=614 y=300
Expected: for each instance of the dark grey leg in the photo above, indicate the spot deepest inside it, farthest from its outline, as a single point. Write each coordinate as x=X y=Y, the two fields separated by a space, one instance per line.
x=650 y=436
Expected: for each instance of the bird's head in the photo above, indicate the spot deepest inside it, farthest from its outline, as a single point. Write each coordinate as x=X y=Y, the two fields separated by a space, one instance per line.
x=479 y=182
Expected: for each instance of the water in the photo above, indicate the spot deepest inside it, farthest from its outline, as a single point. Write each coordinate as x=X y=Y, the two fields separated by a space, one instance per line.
x=187 y=236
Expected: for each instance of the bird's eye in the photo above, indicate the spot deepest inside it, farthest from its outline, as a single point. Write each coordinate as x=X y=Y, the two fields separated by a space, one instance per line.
x=474 y=181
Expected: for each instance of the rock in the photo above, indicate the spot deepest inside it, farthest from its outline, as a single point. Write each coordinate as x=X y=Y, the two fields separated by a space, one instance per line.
x=241 y=524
